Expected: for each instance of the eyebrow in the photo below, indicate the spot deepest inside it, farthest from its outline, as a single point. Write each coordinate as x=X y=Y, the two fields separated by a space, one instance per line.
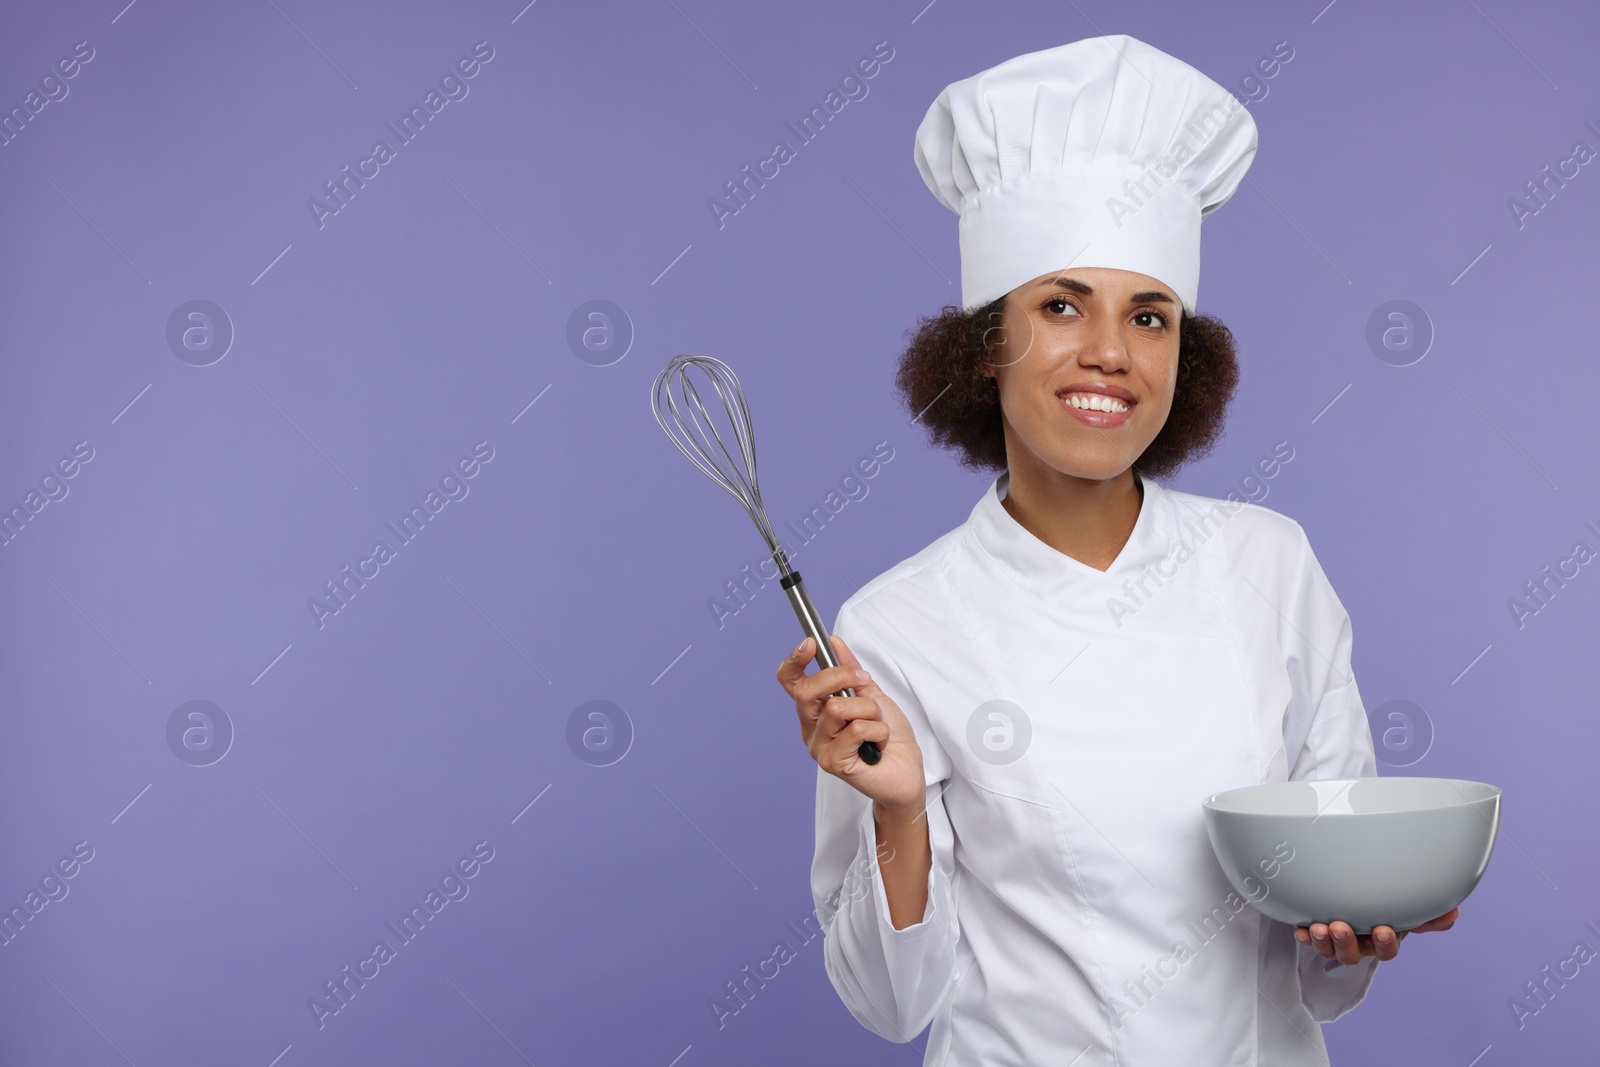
x=1073 y=285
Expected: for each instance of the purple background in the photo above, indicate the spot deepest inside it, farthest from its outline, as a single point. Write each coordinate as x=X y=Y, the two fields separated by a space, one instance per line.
x=372 y=352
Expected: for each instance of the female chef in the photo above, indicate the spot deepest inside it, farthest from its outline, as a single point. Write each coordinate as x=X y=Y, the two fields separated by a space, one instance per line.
x=1057 y=683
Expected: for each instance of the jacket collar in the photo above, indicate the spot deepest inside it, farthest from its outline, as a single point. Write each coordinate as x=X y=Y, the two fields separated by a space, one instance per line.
x=1050 y=573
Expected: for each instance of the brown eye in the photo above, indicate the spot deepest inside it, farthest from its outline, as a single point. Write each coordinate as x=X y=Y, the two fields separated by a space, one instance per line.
x=1160 y=318
x=1061 y=302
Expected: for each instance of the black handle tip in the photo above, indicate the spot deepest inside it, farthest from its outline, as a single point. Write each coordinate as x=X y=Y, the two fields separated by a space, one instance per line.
x=870 y=752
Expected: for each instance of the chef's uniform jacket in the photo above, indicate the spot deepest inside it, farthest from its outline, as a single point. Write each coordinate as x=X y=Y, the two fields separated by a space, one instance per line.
x=1075 y=905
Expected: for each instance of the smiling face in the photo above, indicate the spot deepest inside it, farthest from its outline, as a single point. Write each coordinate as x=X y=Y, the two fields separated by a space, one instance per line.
x=1086 y=360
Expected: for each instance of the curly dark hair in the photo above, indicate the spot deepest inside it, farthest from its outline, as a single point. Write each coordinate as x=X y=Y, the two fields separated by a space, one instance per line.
x=941 y=382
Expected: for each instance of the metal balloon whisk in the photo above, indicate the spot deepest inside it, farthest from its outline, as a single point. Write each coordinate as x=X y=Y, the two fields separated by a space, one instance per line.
x=687 y=422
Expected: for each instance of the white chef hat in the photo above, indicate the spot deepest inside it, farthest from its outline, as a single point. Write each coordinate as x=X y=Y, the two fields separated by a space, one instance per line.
x=1104 y=152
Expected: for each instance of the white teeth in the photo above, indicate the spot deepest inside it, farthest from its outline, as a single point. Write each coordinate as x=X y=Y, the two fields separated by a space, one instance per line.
x=1096 y=402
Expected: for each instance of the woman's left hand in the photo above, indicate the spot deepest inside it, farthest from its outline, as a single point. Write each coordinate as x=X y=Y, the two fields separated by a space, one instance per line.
x=1338 y=941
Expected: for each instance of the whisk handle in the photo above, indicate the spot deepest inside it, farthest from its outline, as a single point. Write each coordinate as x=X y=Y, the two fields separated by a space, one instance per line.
x=811 y=622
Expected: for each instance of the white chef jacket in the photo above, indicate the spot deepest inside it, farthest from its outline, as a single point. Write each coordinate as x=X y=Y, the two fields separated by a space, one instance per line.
x=1213 y=653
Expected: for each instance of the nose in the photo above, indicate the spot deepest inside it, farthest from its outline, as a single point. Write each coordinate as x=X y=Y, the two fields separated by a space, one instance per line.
x=1104 y=346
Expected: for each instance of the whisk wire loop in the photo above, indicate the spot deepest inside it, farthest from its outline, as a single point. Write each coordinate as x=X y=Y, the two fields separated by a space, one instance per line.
x=685 y=419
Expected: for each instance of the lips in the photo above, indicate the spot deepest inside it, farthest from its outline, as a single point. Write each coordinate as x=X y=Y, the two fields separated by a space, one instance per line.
x=1098 y=388
x=1098 y=403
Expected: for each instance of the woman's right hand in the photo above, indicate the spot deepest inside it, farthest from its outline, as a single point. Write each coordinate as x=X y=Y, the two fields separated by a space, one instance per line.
x=835 y=726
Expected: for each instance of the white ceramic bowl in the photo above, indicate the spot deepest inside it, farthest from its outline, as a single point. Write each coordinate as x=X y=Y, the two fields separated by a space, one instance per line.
x=1370 y=851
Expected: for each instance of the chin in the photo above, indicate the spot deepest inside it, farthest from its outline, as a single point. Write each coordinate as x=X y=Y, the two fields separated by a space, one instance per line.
x=1094 y=466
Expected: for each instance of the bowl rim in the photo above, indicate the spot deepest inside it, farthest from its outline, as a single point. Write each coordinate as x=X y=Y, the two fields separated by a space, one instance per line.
x=1210 y=802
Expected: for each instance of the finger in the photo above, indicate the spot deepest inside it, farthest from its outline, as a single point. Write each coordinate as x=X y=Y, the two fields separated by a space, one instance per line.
x=847 y=658
x=793 y=666
x=810 y=692
x=792 y=670
x=835 y=717
x=1443 y=922
x=1345 y=947
x=841 y=755
x=1321 y=941
x=827 y=680
x=1302 y=935
x=1384 y=944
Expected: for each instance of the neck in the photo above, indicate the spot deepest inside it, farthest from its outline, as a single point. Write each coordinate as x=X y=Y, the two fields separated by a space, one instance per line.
x=1087 y=519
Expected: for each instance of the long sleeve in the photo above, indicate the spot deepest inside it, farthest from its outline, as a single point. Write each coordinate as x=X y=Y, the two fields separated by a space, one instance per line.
x=1328 y=736
x=892 y=981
